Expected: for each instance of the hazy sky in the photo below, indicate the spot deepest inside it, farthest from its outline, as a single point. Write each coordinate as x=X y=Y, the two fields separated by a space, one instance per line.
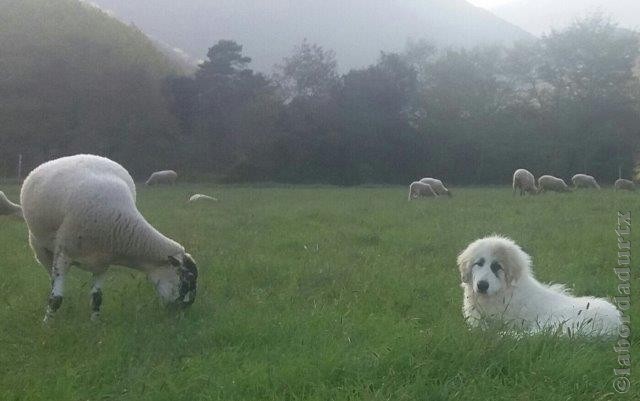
x=539 y=16
x=488 y=3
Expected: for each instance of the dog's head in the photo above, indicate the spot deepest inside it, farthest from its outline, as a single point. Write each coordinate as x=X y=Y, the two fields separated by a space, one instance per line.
x=491 y=264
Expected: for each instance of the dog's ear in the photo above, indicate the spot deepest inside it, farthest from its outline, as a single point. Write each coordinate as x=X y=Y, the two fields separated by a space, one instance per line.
x=464 y=265
x=516 y=263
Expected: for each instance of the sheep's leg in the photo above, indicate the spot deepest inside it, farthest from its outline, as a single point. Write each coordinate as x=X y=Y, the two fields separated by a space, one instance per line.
x=60 y=266
x=96 y=295
x=43 y=255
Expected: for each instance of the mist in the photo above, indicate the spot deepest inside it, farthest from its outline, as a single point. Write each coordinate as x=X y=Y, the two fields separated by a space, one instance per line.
x=540 y=16
x=357 y=30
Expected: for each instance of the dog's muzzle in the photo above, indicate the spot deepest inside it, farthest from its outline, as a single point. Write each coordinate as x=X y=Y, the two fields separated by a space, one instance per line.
x=483 y=286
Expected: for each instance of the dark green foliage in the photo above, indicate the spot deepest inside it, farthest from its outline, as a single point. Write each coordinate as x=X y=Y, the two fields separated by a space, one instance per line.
x=225 y=112
x=564 y=104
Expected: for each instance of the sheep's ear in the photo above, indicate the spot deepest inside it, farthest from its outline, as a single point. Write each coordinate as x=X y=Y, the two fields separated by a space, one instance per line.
x=189 y=262
x=174 y=261
x=190 y=265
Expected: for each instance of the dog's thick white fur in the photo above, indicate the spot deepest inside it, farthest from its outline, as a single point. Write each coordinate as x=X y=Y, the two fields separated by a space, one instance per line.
x=499 y=288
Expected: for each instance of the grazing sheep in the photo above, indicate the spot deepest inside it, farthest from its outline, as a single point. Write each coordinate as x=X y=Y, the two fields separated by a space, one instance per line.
x=437 y=186
x=81 y=210
x=622 y=184
x=9 y=208
x=201 y=198
x=584 y=181
x=551 y=183
x=166 y=177
x=417 y=189
x=524 y=181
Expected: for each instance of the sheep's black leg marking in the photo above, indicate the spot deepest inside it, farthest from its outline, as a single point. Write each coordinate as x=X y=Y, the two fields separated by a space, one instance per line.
x=60 y=266
x=96 y=301
x=96 y=295
x=54 y=302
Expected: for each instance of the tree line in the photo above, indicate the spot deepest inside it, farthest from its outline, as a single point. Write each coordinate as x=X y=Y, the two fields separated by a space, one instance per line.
x=563 y=104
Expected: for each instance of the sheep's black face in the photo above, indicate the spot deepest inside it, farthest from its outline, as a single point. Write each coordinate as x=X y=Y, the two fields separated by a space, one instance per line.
x=187 y=280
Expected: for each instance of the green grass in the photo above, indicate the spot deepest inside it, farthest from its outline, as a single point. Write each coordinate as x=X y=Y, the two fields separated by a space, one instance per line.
x=318 y=293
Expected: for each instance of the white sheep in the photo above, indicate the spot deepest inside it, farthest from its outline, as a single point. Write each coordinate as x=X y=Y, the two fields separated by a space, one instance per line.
x=622 y=184
x=167 y=177
x=437 y=186
x=81 y=210
x=418 y=189
x=201 y=198
x=584 y=181
x=524 y=181
x=8 y=208
x=551 y=183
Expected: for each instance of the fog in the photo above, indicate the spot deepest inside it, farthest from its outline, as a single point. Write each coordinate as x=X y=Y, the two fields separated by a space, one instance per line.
x=539 y=16
x=357 y=30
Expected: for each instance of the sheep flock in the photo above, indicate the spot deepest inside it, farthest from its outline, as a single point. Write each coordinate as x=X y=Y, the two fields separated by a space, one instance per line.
x=523 y=183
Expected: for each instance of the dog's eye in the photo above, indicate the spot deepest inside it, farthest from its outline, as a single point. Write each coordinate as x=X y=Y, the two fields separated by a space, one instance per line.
x=495 y=267
x=480 y=262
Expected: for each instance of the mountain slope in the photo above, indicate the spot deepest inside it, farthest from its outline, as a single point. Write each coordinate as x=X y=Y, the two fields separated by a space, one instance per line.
x=539 y=16
x=76 y=80
x=357 y=30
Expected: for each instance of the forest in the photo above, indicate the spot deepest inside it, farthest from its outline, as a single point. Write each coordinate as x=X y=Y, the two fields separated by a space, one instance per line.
x=79 y=81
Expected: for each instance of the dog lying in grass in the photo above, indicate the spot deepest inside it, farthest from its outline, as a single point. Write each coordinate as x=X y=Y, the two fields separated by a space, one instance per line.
x=499 y=289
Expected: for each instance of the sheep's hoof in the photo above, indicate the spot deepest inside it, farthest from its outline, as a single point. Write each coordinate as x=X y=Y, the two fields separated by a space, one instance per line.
x=48 y=318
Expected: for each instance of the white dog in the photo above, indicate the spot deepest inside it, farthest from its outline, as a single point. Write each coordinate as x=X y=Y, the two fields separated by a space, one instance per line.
x=499 y=287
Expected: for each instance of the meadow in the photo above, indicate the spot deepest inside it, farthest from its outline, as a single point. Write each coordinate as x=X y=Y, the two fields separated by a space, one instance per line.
x=318 y=293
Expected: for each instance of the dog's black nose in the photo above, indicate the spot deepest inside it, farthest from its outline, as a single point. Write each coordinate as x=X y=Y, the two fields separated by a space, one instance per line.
x=483 y=286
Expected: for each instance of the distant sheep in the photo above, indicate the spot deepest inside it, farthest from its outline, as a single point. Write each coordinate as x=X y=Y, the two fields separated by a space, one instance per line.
x=8 y=208
x=626 y=185
x=81 y=210
x=584 y=181
x=551 y=183
x=164 y=177
x=524 y=181
x=420 y=189
x=437 y=186
x=201 y=198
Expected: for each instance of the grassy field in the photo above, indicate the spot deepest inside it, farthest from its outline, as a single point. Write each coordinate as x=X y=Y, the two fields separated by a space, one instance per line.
x=322 y=294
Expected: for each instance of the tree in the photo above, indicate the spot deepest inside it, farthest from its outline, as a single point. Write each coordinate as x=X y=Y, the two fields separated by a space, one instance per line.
x=309 y=72
x=589 y=68
x=224 y=58
x=225 y=111
x=375 y=105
